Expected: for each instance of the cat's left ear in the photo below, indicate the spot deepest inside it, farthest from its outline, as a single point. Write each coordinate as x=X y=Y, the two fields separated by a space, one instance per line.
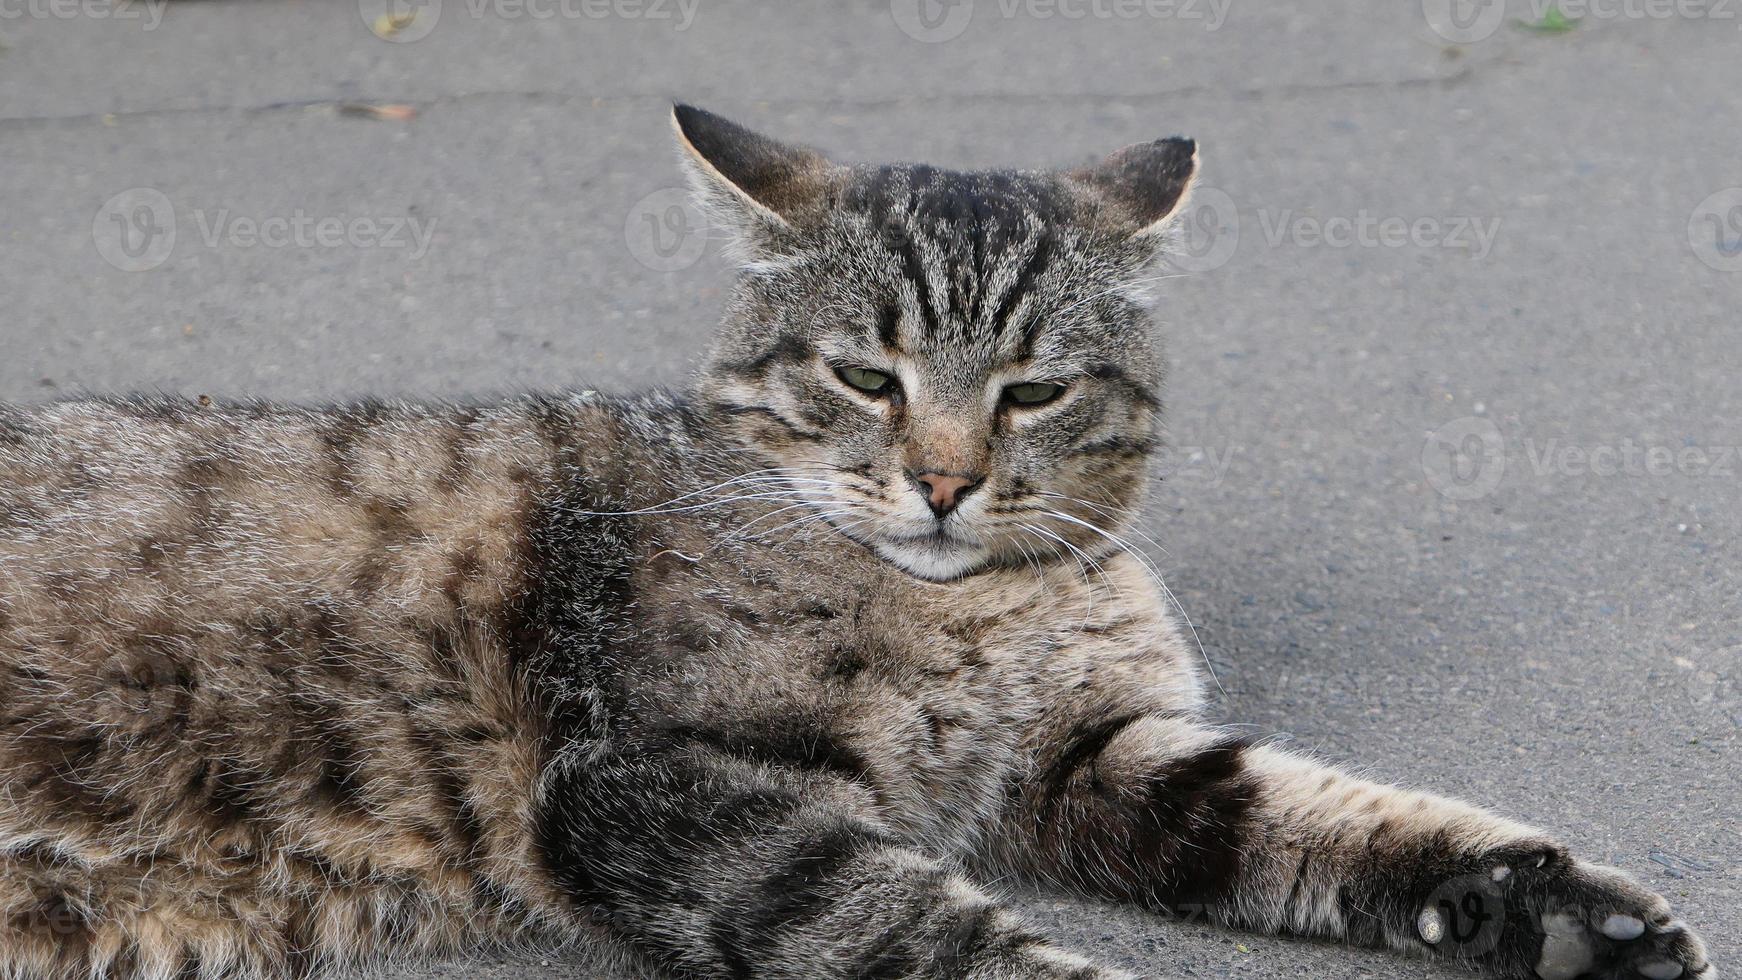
x=1139 y=190
x=763 y=190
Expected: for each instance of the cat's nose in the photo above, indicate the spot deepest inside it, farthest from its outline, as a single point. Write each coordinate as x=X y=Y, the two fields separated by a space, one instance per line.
x=943 y=491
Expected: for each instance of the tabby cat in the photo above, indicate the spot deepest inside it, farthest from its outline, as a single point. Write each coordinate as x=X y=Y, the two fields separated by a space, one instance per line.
x=752 y=681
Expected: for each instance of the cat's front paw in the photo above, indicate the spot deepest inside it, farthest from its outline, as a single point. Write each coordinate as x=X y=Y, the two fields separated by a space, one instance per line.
x=1537 y=914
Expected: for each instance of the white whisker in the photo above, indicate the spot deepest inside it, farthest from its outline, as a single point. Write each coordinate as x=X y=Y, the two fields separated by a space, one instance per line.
x=1154 y=573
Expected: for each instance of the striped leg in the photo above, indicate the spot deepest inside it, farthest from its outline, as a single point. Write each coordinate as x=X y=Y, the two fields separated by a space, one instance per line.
x=1165 y=813
x=713 y=867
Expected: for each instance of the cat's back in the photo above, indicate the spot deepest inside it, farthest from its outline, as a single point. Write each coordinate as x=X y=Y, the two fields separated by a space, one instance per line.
x=147 y=506
x=257 y=649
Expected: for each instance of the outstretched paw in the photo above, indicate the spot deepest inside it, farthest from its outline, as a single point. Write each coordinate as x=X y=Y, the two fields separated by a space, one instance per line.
x=1540 y=915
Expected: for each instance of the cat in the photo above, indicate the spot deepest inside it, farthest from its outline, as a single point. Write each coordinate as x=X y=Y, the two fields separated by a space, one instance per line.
x=757 y=680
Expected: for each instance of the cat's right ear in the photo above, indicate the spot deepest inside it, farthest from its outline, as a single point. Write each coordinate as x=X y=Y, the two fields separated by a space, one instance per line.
x=1141 y=188
x=762 y=190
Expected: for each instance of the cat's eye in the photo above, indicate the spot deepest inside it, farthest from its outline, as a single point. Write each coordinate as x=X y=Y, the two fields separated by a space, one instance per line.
x=866 y=380
x=1031 y=393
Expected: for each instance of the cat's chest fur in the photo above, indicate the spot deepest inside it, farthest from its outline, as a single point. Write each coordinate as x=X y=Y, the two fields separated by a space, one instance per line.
x=812 y=653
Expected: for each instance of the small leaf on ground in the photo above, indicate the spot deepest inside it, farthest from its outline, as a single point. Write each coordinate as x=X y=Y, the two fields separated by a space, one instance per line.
x=1552 y=21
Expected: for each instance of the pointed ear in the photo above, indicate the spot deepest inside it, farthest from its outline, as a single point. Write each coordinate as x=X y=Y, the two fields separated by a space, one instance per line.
x=763 y=190
x=1141 y=187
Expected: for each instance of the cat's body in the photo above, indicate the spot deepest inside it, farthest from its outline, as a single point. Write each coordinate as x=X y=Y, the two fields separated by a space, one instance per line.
x=264 y=653
x=281 y=688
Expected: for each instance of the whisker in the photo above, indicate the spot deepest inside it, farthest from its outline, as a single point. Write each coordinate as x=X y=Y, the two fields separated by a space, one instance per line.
x=777 y=511
x=1132 y=519
x=659 y=509
x=1161 y=583
x=1082 y=560
x=807 y=520
x=1081 y=555
x=751 y=476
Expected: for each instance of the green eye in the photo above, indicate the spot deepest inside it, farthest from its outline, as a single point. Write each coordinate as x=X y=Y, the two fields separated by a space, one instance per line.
x=866 y=380
x=1033 y=392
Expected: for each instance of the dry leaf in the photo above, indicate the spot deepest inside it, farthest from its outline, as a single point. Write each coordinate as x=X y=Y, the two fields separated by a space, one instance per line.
x=387 y=25
x=393 y=113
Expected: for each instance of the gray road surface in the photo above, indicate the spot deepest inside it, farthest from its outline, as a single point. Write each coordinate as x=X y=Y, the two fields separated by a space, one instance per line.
x=1455 y=495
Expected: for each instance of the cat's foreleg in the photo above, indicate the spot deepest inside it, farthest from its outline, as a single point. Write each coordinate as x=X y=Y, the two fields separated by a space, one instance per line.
x=1163 y=812
x=713 y=866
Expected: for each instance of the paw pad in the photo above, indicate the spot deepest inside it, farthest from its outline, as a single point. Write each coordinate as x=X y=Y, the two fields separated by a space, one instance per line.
x=1623 y=928
x=1431 y=926
x=1566 y=952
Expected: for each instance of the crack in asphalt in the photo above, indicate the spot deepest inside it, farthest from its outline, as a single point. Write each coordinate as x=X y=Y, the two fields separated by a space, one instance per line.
x=1281 y=92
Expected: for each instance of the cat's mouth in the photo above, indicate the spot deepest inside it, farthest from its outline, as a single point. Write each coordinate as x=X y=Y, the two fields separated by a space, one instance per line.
x=937 y=554
x=935 y=550
x=937 y=535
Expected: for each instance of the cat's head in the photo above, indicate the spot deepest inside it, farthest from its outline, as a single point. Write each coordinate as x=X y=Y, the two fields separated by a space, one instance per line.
x=952 y=368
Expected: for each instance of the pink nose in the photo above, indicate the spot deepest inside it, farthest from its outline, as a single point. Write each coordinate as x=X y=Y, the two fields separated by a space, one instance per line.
x=943 y=491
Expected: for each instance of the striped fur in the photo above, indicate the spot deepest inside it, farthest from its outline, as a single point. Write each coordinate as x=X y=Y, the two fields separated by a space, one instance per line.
x=699 y=680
